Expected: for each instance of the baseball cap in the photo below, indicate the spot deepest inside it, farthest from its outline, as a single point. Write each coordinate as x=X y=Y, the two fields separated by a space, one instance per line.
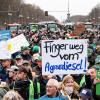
x=35 y=56
x=13 y=68
x=85 y=93
x=2 y=60
x=25 y=62
x=25 y=48
x=38 y=58
x=18 y=57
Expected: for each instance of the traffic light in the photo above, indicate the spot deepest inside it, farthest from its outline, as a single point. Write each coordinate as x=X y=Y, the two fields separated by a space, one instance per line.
x=46 y=13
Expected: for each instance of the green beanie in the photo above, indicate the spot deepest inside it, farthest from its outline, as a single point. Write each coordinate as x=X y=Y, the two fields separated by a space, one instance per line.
x=35 y=49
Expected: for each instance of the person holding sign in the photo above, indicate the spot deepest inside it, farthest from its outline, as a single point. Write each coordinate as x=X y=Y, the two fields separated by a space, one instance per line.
x=92 y=81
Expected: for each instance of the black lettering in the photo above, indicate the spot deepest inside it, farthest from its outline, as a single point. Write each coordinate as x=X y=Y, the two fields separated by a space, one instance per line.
x=69 y=56
x=57 y=48
x=65 y=57
x=73 y=56
x=48 y=47
x=76 y=47
x=82 y=48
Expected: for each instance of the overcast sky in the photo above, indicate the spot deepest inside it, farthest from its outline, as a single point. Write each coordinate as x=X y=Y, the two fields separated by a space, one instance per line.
x=76 y=7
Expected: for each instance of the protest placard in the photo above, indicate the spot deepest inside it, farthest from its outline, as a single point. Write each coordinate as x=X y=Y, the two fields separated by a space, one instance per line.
x=79 y=28
x=15 y=44
x=5 y=35
x=64 y=56
x=4 y=53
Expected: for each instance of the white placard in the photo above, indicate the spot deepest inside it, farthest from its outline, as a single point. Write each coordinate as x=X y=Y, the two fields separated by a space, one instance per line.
x=4 y=53
x=16 y=43
x=64 y=56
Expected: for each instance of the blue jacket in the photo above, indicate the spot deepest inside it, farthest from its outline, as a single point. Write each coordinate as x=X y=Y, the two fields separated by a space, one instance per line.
x=3 y=74
x=58 y=97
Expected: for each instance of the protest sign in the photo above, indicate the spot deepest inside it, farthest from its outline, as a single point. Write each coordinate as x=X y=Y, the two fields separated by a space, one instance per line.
x=64 y=56
x=15 y=44
x=79 y=28
x=5 y=35
x=4 y=53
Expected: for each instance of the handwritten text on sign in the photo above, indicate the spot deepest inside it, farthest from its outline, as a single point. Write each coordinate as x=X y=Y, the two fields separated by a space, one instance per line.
x=64 y=56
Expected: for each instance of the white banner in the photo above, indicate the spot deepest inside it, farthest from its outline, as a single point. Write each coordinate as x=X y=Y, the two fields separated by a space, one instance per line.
x=16 y=43
x=4 y=53
x=64 y=56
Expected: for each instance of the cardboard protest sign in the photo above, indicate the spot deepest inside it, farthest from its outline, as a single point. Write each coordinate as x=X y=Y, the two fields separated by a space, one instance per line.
x=5 y=35
x=4 y=52
x=79 y=29
x=64 y=56
x=16 y=43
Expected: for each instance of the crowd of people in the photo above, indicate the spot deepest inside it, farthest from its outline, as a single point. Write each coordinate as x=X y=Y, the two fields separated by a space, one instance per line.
x=21 y=76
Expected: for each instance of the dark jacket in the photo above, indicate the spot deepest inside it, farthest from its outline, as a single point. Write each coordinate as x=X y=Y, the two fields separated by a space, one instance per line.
x=74 y=96
x=90 y=85
x=43 y=83
x=3 y=74
x=37 y=70
x=22 y=87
